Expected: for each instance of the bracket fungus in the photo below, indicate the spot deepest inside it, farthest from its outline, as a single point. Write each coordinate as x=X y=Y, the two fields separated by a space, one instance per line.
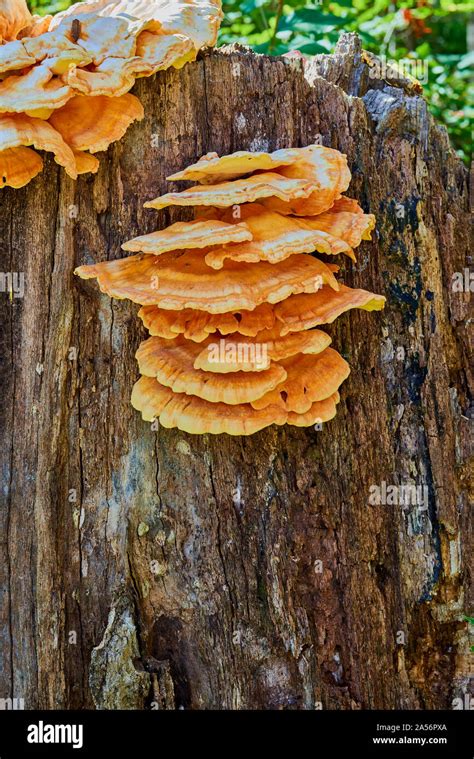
x=14 y=17
x=18 y=166
x=74 y=70
x=231 y=298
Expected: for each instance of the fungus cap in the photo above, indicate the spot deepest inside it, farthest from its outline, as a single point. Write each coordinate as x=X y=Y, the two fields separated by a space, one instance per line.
x=198 y=325
x=294 y=314
x=199 y=417
x=57 y=46
x=320 y=411
x=301 y=312
x=212 y=169
x=100 y=36
x=17 y=129
x=13 y=56
x=14 y=16
x=18 y=166
x=85 y=162
x=326 y=169
x=182 y=280
x=94 y=123
x=310 y=379
x=199 y=19
x=161 y=51
x=248 y=190
x=172 y=365
x=349 y=227
x=238 y=353
x=189 y=234
x=116 y=76
x=38 y=25
x=274 y=238
x=346 y=204
x=37 y=89
x=112 y=78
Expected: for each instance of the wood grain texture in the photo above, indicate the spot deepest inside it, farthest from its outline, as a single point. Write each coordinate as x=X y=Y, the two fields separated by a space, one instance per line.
x=153 y=569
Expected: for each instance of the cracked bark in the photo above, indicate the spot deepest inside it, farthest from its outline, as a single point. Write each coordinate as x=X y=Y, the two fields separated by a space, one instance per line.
x=144 y=569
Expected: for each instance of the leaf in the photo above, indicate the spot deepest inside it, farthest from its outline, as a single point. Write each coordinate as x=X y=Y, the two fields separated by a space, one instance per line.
x=423 y=50
x=466 y=61
x=314 y=48
x=310 y=20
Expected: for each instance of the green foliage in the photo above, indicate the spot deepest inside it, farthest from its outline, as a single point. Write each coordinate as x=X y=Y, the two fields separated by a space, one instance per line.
x=427 y=36
x=48 y=6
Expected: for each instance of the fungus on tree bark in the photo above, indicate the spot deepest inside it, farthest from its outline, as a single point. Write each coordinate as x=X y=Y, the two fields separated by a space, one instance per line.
x=73 y=71
x=281 y=365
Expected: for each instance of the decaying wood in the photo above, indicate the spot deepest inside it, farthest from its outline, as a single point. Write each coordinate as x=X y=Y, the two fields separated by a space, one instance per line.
x=153 y=569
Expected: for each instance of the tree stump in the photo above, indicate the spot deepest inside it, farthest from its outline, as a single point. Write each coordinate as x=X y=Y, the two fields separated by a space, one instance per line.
x=146 y=568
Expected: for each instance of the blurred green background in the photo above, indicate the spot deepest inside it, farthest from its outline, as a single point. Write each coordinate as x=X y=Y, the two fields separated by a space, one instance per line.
x=431 y=38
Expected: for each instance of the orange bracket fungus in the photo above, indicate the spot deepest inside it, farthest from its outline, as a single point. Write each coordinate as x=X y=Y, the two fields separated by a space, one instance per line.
x=73 y=72
x=231 y=299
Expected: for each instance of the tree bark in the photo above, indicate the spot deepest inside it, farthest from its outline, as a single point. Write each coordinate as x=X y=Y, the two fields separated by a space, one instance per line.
x=154 y=569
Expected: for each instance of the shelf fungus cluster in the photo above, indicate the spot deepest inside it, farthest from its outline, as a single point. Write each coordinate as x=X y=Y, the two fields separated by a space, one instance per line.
x=233 y=300
x=65 y=79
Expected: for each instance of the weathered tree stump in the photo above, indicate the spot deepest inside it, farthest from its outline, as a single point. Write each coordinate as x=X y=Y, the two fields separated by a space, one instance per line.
x=143 y=569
